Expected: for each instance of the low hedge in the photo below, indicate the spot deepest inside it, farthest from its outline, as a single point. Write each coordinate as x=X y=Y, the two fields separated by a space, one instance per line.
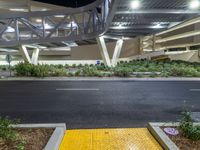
x=123 y=69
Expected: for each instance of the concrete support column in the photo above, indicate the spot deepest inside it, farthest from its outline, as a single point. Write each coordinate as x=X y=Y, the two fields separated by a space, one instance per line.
x=154 y=43
x=35 y=56
x=104 y=51
x=25 y=53
x=33 y=59
x=117 y=52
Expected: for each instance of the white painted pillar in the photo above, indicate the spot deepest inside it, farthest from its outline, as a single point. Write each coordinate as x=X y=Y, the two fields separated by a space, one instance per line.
x=25 y=53
x=117 y=52
x=35 y=56
x=104 y=51
x=28 y=5
x=188 y=48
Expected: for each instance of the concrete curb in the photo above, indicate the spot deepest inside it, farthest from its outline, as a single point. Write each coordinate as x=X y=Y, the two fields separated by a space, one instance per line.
x=160 y=135
x=98 y=79
x=55 y=139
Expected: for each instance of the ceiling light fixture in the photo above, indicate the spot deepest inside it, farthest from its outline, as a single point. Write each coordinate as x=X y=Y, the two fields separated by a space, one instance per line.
x=158 y=26
x=18 y=9
x=135 y=4
x=38 y=20
x=10 y=29
x=194 y=4
x=59 y=16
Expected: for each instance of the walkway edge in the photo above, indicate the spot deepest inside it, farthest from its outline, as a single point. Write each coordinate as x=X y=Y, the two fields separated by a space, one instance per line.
x=99 y=79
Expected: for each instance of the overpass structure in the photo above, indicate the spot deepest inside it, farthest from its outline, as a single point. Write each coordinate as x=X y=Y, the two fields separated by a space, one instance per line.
x=24 y=28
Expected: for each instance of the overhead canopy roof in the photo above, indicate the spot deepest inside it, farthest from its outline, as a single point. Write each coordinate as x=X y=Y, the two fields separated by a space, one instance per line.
x=150 y=16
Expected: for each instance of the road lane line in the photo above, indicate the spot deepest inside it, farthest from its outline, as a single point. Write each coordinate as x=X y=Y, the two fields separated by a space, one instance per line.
x=71 y=89
x=194 y=90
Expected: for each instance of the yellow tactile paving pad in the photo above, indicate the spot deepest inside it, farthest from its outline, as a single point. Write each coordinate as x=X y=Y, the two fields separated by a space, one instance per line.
x=109 y=139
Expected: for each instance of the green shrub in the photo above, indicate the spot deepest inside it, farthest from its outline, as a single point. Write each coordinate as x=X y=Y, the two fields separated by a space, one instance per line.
x=74 y=65
x=78 y=73
x=164 y=74
x=122 y=71
x=90 y=71
x=60 y=66
x=58 y=72
x=153 y=75
x=21 y=145
x=66 y=66
x=7 y=132
x=4 y=68
x=80 y=66
x=70 y=74
x=23 y=69
x=189 y=130
x=40 y=70
x=102 y=67
x=107 y=74
x=27 y=69
x=183 y=71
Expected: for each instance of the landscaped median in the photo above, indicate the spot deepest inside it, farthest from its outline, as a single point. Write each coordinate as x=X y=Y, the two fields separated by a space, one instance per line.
x=135 y=68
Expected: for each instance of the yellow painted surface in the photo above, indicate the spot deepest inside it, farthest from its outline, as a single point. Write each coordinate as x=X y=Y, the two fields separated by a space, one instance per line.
x=109 y=139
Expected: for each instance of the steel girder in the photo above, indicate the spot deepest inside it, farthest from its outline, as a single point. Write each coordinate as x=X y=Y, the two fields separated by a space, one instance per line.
x=83 y=23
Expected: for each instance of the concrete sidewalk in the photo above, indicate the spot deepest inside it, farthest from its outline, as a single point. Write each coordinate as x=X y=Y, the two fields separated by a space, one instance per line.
x=109 y=139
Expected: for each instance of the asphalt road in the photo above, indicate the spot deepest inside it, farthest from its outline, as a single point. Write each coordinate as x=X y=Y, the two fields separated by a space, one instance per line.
x=97 y=104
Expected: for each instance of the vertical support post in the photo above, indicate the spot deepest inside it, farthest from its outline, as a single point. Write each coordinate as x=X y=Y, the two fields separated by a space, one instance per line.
x=35 y=56
x=25 y=53
x=43 y=27
x=29 y=5
x=94 y=21
x=104 y=51
x=117 y=51
x=16 y=30
x=187 y=48
x=154 y=43
x=141 y=45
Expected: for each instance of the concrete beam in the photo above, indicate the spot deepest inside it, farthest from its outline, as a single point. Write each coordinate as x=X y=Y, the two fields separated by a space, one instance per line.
x=182 y=25
x=137 y=27
x=179 y=36
x=158 y=11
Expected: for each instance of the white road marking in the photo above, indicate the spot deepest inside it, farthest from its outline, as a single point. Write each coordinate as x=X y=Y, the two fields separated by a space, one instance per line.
x=70 y=89
x=194 y=90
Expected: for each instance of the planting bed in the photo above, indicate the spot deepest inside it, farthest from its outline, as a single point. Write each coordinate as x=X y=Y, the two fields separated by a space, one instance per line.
x=182 y=142
x=172 y=142
x=33 y=138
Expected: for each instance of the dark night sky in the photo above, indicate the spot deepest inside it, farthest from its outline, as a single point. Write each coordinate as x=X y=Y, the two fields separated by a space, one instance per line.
x=68 y=3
